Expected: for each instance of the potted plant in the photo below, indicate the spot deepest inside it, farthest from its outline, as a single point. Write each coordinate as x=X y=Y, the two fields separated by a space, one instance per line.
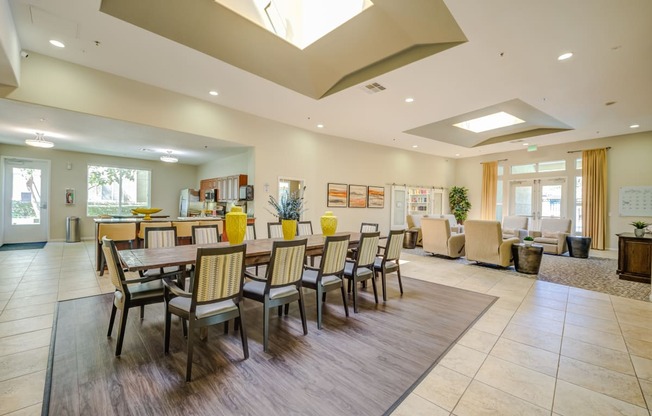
x=288 y=210
x=528 y=241
x=458 y=199
x=639 y=227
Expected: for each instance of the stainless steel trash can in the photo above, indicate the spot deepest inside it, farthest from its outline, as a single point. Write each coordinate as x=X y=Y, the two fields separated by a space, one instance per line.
x=410 y=239
x=72 y=230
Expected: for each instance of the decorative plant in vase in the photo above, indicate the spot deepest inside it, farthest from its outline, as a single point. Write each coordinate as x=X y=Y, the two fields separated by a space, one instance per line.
x=458 y=199
x=288 y=210
x=639 y=227
x=528 y=241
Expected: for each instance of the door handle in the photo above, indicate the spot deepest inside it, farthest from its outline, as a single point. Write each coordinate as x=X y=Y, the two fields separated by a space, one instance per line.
x=44 y=206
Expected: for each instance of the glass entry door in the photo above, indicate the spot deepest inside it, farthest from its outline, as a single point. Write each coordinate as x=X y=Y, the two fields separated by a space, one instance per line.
x=537 y=199
x=25 y=199
x=398 y=209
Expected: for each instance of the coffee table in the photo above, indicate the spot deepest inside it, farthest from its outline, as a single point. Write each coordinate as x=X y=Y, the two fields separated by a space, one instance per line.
x=527 y=259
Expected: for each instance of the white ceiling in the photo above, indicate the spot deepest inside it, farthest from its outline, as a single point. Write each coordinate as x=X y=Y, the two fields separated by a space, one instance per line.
x=511 y=54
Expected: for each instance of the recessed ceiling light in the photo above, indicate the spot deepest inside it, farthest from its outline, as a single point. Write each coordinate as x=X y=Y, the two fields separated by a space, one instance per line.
x=634 y=126
x=213 y=93
x=490 y=122
x=457 y=154
x=414 y=146
x=409 y=100
x=564 y=56
x=57 y=43
x=525 y=144
x=320 y=126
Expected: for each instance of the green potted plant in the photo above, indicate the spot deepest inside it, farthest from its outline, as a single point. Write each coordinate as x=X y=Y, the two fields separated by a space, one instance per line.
x=639 y=227
x=458 y=199
x=288 y=210
x=528 y=241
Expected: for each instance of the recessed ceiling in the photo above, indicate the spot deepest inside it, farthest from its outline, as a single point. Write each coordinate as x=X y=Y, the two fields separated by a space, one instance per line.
x=381 y=38
x=536 y=123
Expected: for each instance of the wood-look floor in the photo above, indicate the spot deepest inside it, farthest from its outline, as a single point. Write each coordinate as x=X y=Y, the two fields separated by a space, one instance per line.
x=356 y=366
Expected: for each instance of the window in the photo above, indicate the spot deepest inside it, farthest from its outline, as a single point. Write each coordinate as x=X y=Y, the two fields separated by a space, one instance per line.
x=499 y=201
x=578 y=204
x=529 y=168
x=553 y=166
x=116 y=191
x=578 y=163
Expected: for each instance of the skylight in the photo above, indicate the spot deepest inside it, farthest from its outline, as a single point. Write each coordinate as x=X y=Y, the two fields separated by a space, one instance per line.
x=490 y=122
x=300 y=22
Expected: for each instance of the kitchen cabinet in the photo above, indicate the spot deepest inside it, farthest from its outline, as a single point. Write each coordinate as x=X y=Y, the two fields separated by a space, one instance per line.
x=205 y=185
x=228 y=186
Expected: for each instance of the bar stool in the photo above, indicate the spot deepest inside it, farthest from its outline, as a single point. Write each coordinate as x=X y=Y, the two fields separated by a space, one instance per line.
x=119 y=233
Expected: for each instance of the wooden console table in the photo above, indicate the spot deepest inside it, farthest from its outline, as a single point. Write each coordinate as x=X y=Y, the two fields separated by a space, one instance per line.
x=635 y=257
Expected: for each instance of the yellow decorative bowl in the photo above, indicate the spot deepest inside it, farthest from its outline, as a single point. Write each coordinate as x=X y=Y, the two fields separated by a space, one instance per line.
x=146 y=211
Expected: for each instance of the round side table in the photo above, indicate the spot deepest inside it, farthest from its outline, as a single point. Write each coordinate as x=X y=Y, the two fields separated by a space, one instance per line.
x=527 y=259
x=578 y=246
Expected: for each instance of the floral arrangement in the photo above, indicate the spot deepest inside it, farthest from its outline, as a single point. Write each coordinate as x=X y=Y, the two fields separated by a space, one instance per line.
x=290 y=206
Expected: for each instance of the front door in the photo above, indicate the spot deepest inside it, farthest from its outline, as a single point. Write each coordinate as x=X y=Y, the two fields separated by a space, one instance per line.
x=537 y=199
x=398 y=211
x=25 y=199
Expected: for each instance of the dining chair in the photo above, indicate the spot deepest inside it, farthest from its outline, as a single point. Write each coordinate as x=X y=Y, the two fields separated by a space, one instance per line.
x=205 y=234
x=215 y=299
x=304 y=228
x=250 y=233
x=143 y=226
x=274 y=230
x=328 y=276
x=282 y=282
x=362 y=268
x=128 y=293
x=388 y=261
x=184 y=230
x=119 y=233
x=218 y=223
x=368 y=227
x=159 y=237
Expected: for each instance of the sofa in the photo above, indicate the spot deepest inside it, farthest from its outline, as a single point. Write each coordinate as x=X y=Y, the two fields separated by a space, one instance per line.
x=552 y=235
x=438 y=238
x=515 y=226
x=484 y=243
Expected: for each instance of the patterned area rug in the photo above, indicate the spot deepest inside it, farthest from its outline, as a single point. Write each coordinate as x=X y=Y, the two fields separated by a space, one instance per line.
x=595 y=273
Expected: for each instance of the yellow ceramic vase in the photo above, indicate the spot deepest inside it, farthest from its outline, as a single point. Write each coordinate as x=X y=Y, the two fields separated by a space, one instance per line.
x=236 y=225
x=289 y=229
x=328 y=223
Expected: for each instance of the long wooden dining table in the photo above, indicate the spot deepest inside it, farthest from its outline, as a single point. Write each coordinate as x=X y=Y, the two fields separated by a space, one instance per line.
x=258 y=252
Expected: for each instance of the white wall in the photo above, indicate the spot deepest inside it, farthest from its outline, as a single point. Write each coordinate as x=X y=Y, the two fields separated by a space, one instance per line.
x=167 y=181
x=628 y=164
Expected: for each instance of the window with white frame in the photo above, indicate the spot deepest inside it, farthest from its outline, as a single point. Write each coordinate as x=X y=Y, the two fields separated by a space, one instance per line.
x=116 y=191
x=552 y=166
x=499 y=194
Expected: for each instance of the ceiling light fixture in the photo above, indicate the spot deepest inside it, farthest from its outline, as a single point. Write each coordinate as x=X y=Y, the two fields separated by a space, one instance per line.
x=320 y=126
x=213 y=93
x=168 y=158
x=414 y=146
x=39 y=141
x=490 y=122
x=564 y=56
x=409 y=100
x=57 y=43
x=634 y=126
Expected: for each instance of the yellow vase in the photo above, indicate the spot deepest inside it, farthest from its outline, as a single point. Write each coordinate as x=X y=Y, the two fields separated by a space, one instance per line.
x=289 y=229
x=328 y=223
x=236 y=225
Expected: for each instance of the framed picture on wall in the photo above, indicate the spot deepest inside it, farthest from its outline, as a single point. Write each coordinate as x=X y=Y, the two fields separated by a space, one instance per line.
x=376 y=197
x=357 y=196
x=337 y=195
x=70 y=196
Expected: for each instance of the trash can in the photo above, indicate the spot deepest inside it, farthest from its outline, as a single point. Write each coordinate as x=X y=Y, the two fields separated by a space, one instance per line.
x=410 y=239
x=72 y=230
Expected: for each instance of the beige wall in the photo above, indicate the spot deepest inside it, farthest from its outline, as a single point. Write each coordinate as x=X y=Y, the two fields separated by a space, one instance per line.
x=280 y=150
x=628 y=165
x=167 y=181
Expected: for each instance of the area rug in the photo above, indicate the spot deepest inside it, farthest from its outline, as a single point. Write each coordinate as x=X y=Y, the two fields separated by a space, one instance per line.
x=361 y=365
x=22 y=246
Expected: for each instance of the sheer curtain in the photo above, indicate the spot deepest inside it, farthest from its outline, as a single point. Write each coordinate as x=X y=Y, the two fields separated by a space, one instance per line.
x=489 y=189
x=594 y=196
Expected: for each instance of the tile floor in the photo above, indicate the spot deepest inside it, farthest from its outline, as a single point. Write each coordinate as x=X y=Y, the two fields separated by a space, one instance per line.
x=542 y=348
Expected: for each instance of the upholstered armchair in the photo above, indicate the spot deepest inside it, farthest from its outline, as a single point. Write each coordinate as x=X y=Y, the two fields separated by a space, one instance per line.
x=515 y=226
x=438 y=239
x=455 y=227
x=484 y=243
x=552 y=235
x=414 y=224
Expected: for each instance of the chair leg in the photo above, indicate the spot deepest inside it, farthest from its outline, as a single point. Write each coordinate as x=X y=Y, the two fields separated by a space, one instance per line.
x=346 y=307
x=243 y=333
x=373 y=285
x=302 y=311
x=355 y=296
x=121 y=331
x=226 y=327
x=102 y=263
x=142 y=312
x=320 y=304
x=111 y=320
x=191 y=348
x=400 y=284
x=349 y=285
x=184 y=327
x=280 y=311
x=168 y=321
x=287 y=308
x=384 y=284
x=265 y=326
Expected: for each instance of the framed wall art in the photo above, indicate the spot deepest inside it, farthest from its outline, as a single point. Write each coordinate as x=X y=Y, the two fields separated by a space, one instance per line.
x=337 y=195
x=70 y=196
x=376 y=197
x=357 y=196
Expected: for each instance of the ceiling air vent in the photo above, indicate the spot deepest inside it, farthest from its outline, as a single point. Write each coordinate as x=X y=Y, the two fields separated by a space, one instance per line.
x=373 y=88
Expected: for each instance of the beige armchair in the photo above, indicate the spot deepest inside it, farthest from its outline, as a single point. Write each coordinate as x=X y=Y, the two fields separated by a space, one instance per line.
x=414 y=224
x=485 y=243
x=552 y=235
x=515 y=226
x=455 y=227
x=438 y=239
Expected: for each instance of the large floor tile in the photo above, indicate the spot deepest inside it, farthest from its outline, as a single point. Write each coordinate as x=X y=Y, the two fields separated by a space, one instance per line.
x=483 y=400
x=494 y=321
x=599 y=338
x=31 y=300
x=617 y=385
x=415 y=405
x=534 y=337
x=21 y=392
x=640 y=348
x=605 y=325
x=643 y=367
x=573 y=400
x=601 y=311
x=27 y=312
x=527 y=356
x=478 y=340
x=22 y=326
x=24 y=362
x=532 y=386
x=464 y=360
x=443 y=387
x=603 y=357
x=34 y=410
x=26 y=341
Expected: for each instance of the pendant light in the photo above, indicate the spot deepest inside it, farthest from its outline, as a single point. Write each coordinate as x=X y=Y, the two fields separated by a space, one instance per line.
x=39 y=141
x=169 y=158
